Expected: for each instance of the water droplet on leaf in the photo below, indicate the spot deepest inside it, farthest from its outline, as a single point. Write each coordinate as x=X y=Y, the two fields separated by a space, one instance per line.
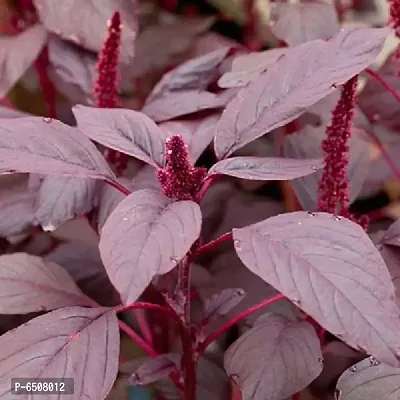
x=240 y=292
x=299 y=223
x=297 y=302
x=236 y=242
x=47 y=120
x=235 y=378
x=337 y=217
x=321 y=361
x=373 y=361
x=311 y=214
x=353 y=369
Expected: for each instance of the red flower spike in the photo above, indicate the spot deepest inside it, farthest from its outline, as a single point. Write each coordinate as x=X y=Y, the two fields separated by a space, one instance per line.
x=334 y=185
x=394 y=16
x=179 y=179
x=107 y=66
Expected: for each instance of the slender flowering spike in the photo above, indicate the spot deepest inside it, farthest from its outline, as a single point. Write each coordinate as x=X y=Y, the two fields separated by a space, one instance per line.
x=179 y=179
x=334 y=185
x=107 y=66
x=105 y=90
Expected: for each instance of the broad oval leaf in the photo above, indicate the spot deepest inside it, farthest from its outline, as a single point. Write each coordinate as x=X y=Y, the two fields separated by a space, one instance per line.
x=275 y=359
x=197 y=133
x=88 y=27
x=18 y=53
x=194 y=74
x=302 y=22
x=128 y=131
x=16 y=210
x=74 y=71
x=173 y=38
x=61 y=199
x=329 y=268
x=369 y=379
x=266 y=169
x=153 y=369
x=74 y=342
x=49 y=147
x=392 y=235
x=248 y=66
x=81 y=260
x=28 y=284
x=147 y=234
x=221 y=303
x=306 y=74
x=177 y=104
x=307 y=144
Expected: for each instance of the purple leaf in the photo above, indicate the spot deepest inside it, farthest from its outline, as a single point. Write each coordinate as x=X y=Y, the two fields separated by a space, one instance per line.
x=275 y=359
x=248 y=66
x=46 y=146
x=128 y=131
x=266 y=169
x=16 y=210
x=27 y=284
x=18 y=53
x=329 y=268
x=88 y=27
x=146 y=178
x=221 y=303
x=147 y=234
x=109 y=199
x=173 y=41
x=376 y=101
x=197 y=133
x=79 y=259
x=74 y=342
x=194 y=74
x=369 y=379
x=177 y=104
x=337 y=358
x=153 y=369
x=307 y=144
x=6 y=112
x=303 y=76
x=391 y=256
x=61 y=199
x=74 y=71
x=228 y=272
x=392 y=235
x=303 y=22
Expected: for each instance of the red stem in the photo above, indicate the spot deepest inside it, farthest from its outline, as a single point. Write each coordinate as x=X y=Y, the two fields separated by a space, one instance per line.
x=216 y=242
x=213 y=336
x=379 y=79
x=48 y=90
x=143 y=325
x=119 y=187
x=208 y=181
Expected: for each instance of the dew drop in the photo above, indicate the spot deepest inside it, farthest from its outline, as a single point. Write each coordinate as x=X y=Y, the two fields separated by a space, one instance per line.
x=314 y=168
x=235 y=378
x=299 y=223
x=337 y=217
x=236 y=242
x=174 y=259
x=373 y=361
x=169 y=152
x=353 y=369
x=240 y=292
x=47 y=120
x=321 y=361
x=334 y=85
x=297 y=302
x=311 y=214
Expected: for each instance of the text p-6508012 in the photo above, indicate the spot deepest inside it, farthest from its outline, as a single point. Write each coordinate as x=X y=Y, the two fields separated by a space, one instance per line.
x=42 y=386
